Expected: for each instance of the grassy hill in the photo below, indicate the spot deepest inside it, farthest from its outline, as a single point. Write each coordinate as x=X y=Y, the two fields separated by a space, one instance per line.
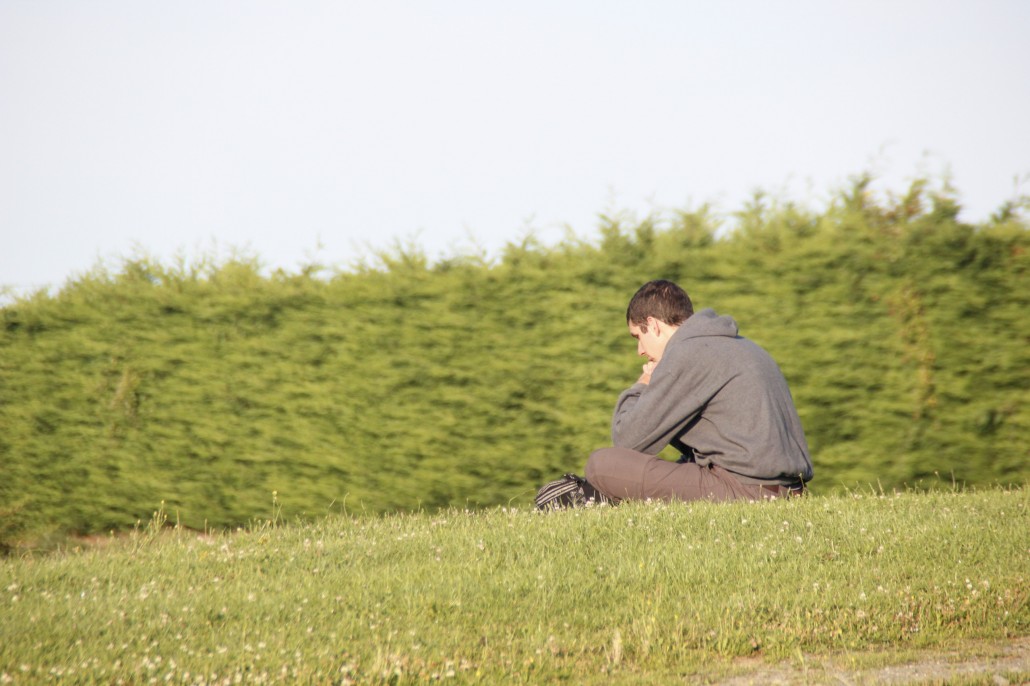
x=827 y=589
x=902 y=331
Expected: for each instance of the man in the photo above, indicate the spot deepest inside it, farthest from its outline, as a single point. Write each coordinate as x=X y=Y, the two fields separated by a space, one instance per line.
x=715 y=396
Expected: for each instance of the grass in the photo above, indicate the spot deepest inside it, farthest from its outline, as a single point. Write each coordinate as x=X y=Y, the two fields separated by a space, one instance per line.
x=643 y=593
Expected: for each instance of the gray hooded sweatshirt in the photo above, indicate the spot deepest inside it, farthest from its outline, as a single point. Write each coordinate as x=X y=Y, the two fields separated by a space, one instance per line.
x=722 y=399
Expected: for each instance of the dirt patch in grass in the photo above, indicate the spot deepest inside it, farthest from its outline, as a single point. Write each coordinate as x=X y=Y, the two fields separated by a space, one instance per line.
x=1001 y=663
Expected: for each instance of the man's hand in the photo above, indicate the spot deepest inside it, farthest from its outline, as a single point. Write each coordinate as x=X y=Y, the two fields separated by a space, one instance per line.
x=645 y=378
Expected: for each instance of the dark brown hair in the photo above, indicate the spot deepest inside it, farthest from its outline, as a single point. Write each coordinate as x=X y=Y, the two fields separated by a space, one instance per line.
x=663 y=300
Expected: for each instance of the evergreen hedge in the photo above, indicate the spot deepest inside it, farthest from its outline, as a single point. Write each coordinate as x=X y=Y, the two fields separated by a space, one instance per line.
x=903 y=333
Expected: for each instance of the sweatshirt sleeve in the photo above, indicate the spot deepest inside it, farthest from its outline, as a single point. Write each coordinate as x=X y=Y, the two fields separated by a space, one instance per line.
x=648 y=416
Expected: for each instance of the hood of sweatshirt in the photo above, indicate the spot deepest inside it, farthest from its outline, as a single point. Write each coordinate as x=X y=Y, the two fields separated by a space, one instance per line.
x=707 y=323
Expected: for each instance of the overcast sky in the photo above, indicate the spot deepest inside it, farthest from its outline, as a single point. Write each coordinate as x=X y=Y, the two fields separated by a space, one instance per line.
x=318 y=130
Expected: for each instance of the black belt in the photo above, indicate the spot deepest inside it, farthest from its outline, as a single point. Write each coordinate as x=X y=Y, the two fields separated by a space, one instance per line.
x=785 y=491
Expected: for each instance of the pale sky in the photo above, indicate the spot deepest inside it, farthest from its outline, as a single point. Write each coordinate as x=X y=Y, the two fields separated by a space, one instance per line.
x=317 y=130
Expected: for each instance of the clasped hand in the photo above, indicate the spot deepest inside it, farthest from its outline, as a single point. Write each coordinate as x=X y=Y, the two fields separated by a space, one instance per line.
x=648 y=370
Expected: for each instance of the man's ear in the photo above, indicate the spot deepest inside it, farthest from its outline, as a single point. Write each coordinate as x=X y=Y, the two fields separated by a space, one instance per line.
x=654 y=325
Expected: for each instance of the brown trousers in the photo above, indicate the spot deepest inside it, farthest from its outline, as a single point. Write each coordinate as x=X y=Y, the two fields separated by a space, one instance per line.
x=623 y=474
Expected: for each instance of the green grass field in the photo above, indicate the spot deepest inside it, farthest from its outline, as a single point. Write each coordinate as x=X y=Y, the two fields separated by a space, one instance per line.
x=648 y=593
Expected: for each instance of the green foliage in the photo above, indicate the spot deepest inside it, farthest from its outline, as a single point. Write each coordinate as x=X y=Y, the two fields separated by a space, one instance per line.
x=642 y=593
x=404 y=384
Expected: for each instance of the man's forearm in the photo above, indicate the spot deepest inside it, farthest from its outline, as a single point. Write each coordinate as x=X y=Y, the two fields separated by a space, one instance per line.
x=628 y=431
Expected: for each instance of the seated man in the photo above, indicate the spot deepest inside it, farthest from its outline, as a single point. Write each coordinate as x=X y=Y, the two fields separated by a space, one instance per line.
x=717 y=397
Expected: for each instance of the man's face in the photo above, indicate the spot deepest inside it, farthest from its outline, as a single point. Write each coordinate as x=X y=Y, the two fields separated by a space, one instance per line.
x=650 y=344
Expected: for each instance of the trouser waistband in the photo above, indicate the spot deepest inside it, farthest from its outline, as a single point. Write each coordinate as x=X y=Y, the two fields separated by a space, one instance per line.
x=784 y=491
